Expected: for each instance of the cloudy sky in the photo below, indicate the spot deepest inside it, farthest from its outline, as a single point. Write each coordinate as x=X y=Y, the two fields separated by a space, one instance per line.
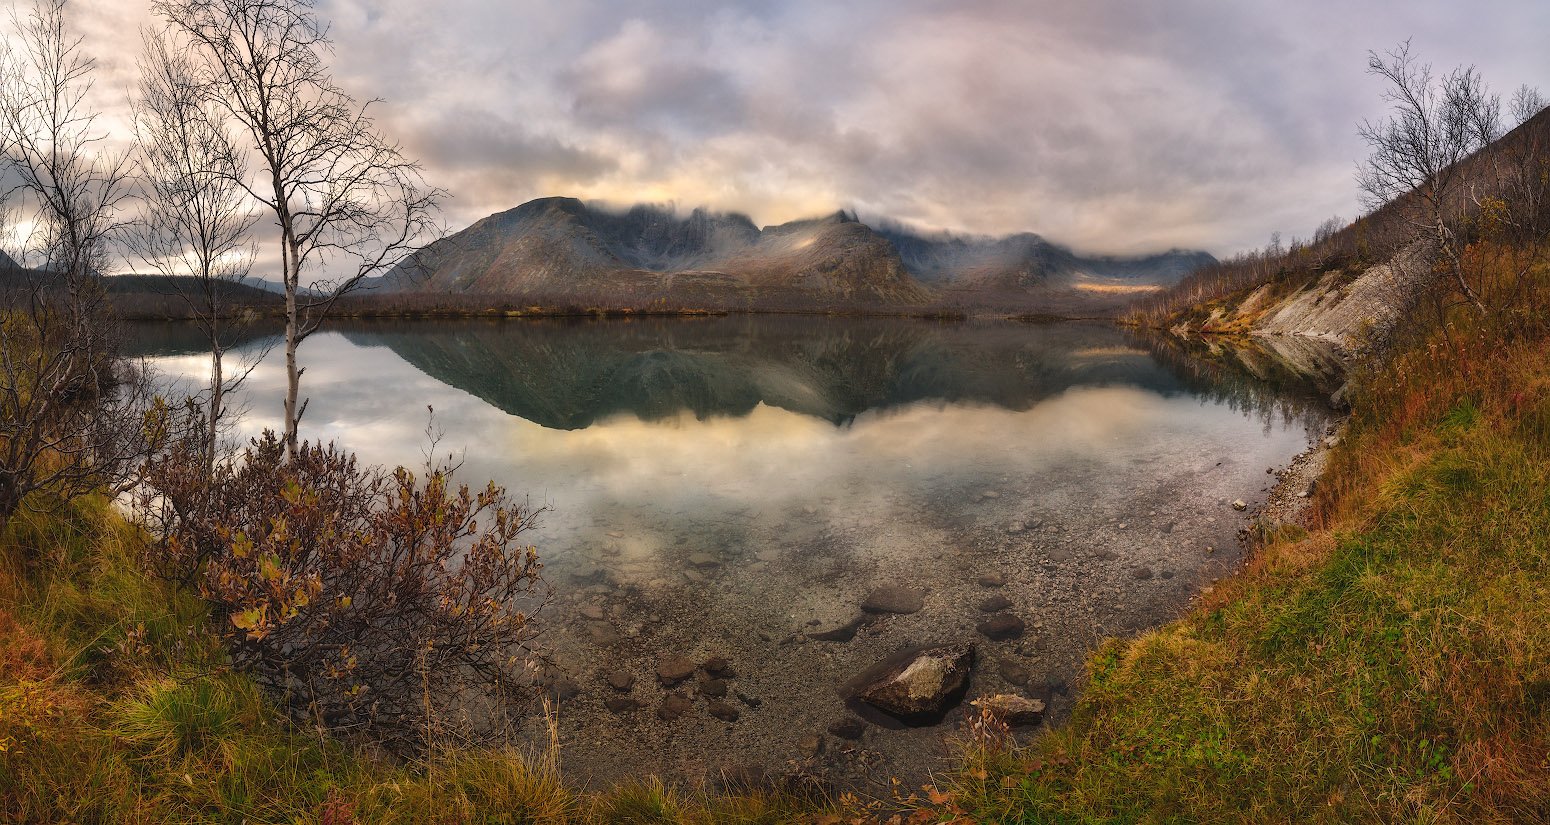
x=1110 y=126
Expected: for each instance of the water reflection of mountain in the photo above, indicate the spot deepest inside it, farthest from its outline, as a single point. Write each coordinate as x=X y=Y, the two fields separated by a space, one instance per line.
x=569 y=374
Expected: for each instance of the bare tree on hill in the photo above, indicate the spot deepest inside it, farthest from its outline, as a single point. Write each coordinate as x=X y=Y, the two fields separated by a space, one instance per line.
x=345 y=199
x=1418 y=151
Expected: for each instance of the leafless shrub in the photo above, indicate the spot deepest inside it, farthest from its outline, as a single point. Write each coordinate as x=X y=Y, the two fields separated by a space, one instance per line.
x=69 y=407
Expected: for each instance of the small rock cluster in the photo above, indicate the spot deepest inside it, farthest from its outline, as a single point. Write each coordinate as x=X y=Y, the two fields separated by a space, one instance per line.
x=711 y=681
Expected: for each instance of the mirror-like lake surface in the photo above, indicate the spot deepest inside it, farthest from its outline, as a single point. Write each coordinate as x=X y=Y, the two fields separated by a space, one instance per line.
x=728 y=486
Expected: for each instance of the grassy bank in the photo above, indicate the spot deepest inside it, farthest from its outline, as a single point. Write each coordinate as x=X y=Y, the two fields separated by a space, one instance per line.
x=116 y=707
x=1392 y=664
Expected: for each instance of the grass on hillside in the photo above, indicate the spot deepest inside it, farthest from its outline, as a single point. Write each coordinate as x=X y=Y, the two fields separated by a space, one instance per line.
x=1393 y=665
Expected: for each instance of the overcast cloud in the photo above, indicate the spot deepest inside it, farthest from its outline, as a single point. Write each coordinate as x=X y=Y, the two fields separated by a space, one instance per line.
x=1110 y=126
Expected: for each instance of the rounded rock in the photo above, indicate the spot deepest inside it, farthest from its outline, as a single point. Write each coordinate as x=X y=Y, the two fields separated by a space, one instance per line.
x=1001 y=626
x=894 y=599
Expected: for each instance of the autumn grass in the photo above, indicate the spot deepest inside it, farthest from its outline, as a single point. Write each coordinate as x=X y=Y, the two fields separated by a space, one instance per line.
x=1392 y=665
x=116 y=706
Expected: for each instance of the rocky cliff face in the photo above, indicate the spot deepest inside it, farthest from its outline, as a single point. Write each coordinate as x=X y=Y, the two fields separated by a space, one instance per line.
x=563 y=249
x=1354 y=310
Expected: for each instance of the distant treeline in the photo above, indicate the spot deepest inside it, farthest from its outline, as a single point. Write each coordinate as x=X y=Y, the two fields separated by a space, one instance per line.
x=162 y=298
x=145 y=297
x=403 y=304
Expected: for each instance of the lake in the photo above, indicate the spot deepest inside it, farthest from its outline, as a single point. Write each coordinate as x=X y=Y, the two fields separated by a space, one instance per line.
x=729 y=486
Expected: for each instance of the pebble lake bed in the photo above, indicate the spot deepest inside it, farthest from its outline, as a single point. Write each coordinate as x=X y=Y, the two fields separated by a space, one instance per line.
x=750 y=517
x=1031 y=590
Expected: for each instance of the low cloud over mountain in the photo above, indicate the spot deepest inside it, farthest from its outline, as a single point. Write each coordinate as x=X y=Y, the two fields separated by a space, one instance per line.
x=561 y=249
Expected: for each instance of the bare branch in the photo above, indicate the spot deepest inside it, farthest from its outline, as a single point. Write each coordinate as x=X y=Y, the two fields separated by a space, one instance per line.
x=344 y=197
x=68 y=404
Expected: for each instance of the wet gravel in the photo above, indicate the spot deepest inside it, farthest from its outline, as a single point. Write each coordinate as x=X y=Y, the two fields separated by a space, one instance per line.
x=758 y=604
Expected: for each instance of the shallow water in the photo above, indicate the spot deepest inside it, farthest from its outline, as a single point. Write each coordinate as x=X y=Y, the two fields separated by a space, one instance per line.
x=725 y=485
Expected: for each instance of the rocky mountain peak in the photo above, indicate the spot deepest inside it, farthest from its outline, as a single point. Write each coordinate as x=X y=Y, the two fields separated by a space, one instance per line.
x=564 y=248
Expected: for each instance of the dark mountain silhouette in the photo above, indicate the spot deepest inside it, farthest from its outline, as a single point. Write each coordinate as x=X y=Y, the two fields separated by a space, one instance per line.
x=560 y=249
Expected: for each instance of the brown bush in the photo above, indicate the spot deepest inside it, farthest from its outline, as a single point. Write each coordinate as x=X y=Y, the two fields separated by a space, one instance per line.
x=370 y=602
x=70 y=408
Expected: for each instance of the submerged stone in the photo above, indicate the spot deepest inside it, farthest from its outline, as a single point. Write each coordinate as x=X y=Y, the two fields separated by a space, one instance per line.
x=620 y=680
x=1013 y=710
x=995 y=604
x=894 y=599
x=621 y=704
x=1001 y=626
x=673 y=706
x=918 y=683
x=842 y=633
x=848 y=728
x=674 y=670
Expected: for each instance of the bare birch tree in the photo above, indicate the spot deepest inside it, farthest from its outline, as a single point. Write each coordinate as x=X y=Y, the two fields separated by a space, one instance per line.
x=68 y=422
x=347 y=203
x=1435 y=123
x=196 y=217
x=1524 y=167
x=57 y=153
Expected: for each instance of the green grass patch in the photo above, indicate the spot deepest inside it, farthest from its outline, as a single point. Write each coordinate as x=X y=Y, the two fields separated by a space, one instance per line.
x=1391 y=668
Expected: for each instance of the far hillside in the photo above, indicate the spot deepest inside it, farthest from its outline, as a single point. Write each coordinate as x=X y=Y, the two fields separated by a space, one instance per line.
x=564 y=251
x=1352 y=283
x=147 y=297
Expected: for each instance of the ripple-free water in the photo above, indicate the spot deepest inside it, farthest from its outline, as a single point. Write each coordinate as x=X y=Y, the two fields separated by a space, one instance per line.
x=726 y=485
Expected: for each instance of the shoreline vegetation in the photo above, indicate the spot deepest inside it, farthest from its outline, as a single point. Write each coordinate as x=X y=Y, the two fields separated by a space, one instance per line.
x=1341 y=674
x=1385 y=658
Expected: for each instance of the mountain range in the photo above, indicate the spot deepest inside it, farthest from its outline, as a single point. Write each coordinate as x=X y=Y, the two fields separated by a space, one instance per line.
x=565 y=250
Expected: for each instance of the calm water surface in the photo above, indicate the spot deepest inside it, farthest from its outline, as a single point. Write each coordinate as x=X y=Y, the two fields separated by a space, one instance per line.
x=726 y=485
